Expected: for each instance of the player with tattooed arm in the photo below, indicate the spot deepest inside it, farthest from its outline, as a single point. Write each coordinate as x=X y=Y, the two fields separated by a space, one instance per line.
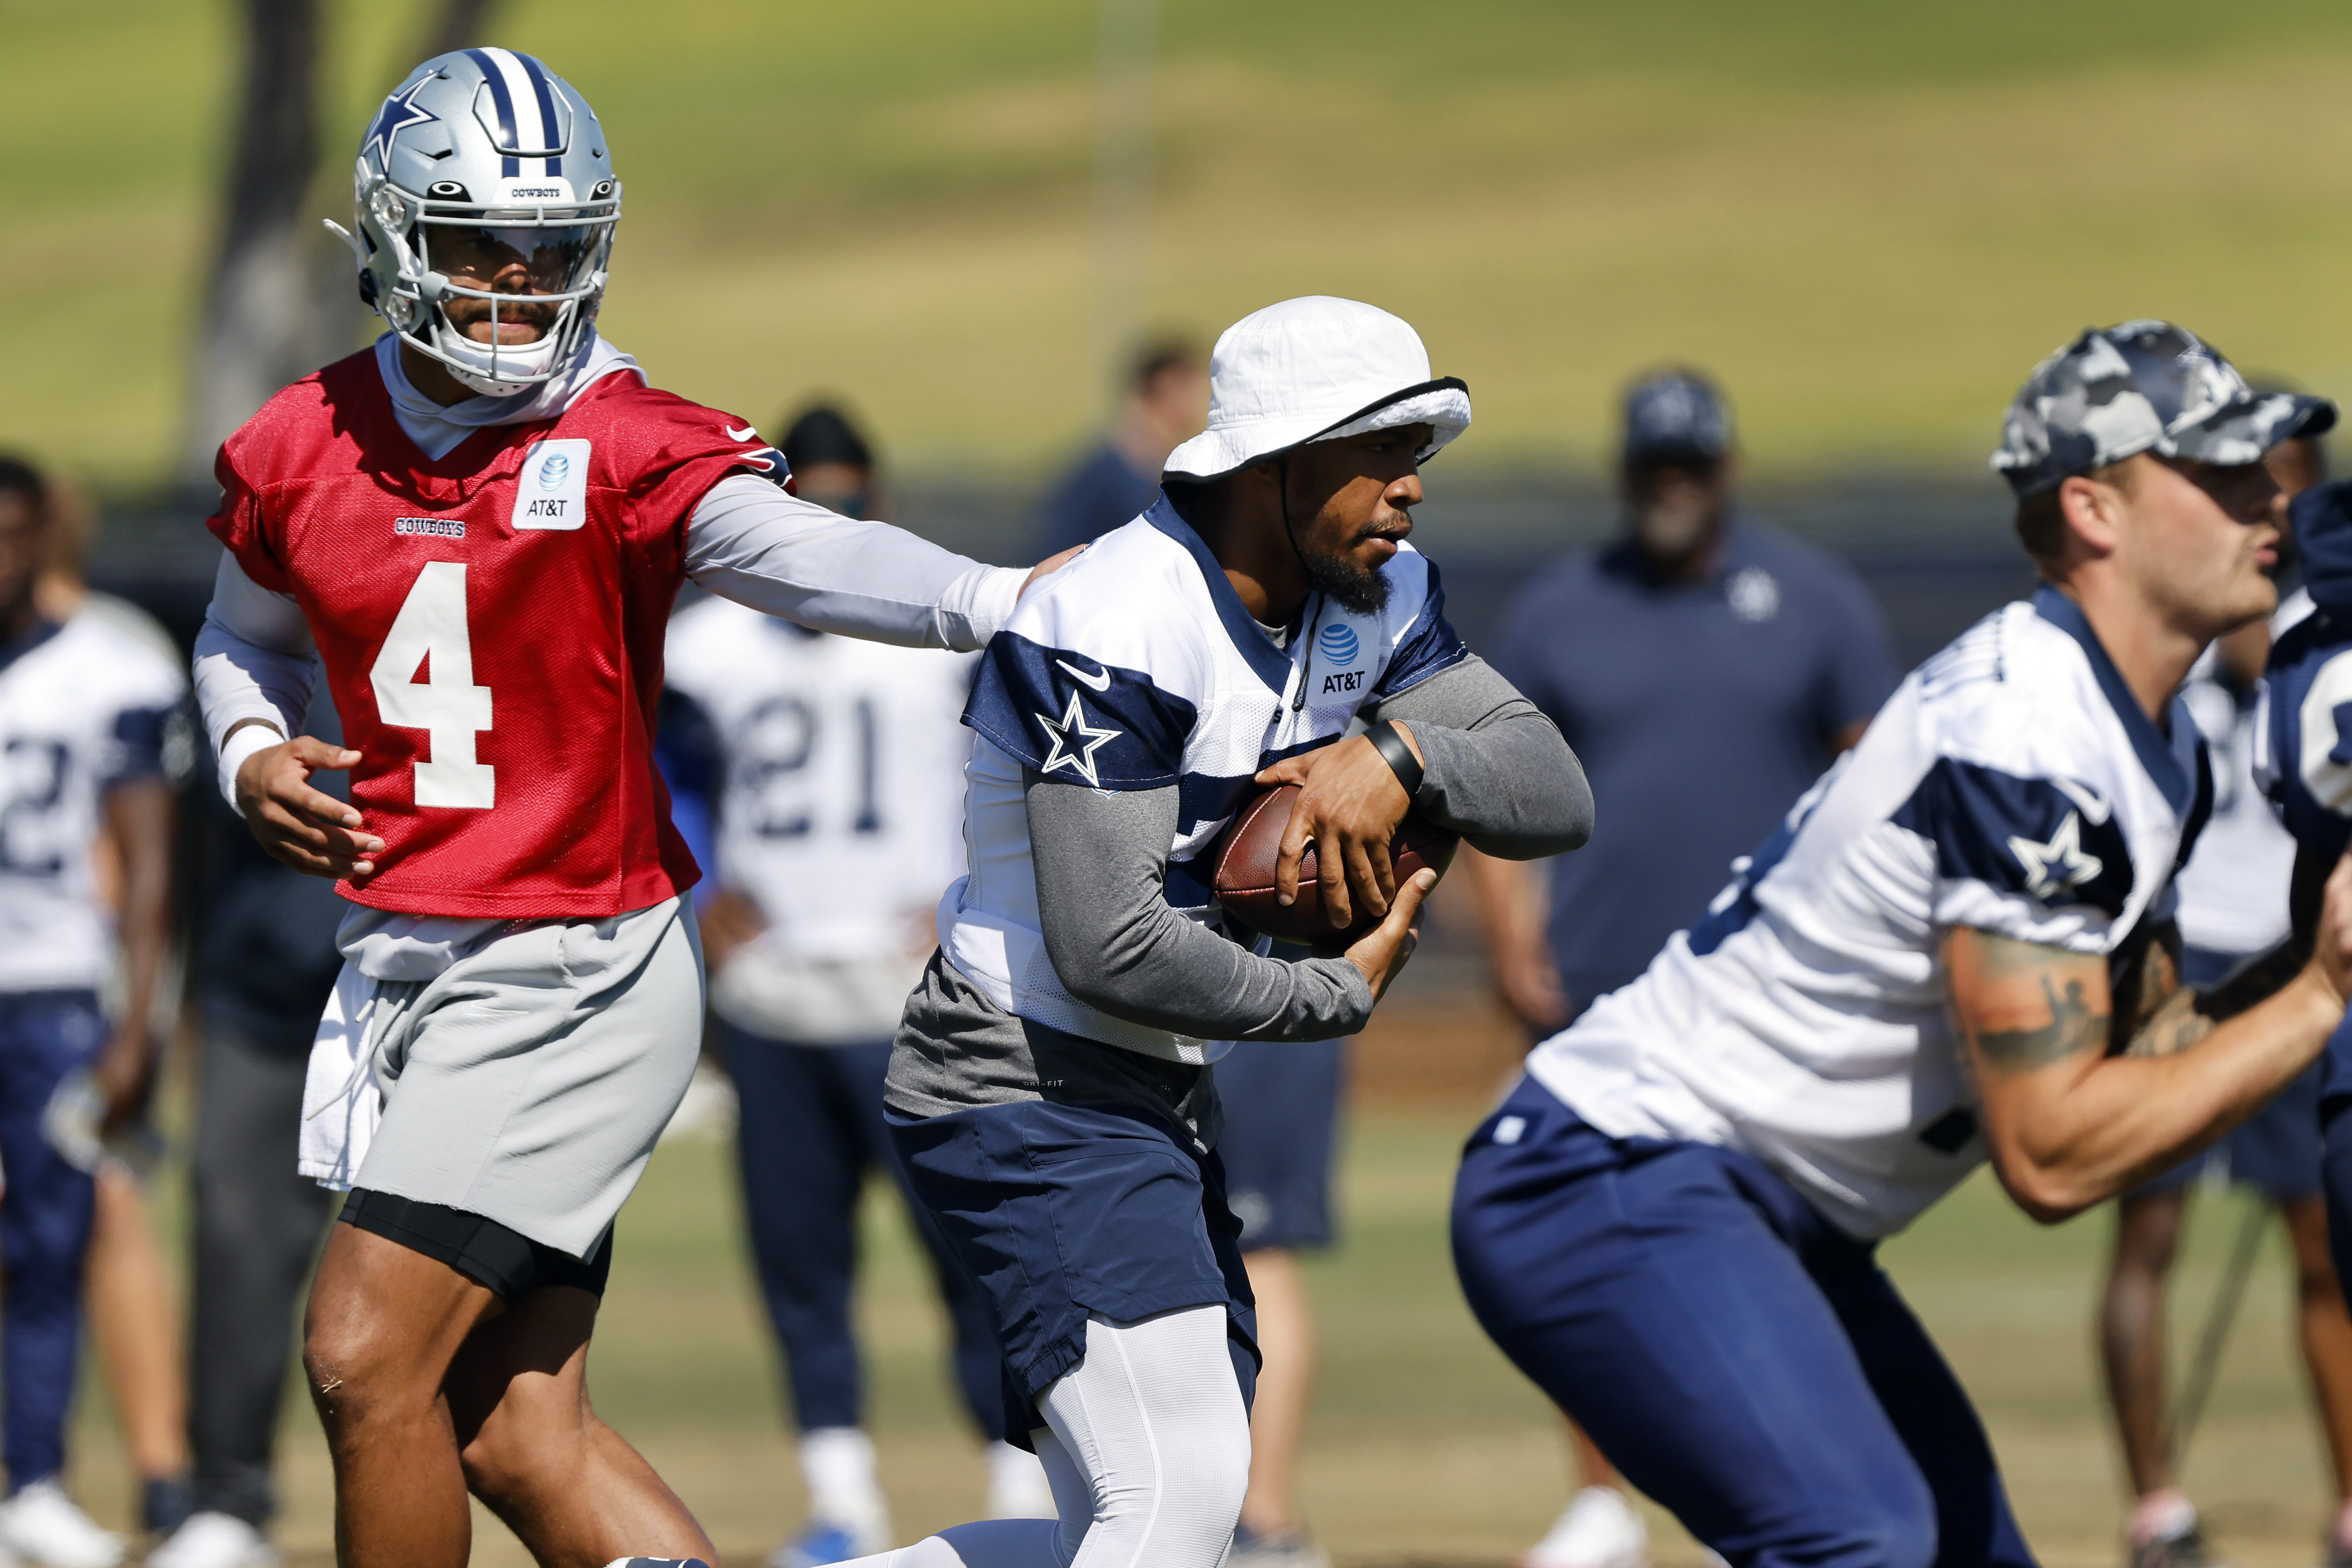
x=1958 y=947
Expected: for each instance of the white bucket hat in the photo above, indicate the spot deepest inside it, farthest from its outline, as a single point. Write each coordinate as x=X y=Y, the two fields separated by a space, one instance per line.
x=1316 y=368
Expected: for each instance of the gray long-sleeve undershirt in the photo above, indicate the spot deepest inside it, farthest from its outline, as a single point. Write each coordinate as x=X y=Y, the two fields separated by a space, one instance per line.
x=1494 y=770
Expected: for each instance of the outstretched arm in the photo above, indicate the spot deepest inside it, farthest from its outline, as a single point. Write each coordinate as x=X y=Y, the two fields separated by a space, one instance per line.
x=757 y=544
x=2069 y=1119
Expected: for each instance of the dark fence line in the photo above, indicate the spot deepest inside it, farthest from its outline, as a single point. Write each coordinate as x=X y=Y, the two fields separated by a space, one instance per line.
x=1937 y=550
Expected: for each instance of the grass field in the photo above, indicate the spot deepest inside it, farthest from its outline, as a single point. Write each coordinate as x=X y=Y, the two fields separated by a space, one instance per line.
x=1426 y=1447
x=1871 y=218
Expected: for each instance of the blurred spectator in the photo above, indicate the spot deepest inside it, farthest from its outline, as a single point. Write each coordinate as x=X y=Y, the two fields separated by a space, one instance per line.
x=88 y=715
x=831 y=774
x=264 y=960
x=1281 y=1135
x=1165 y=405
x=1706 y=668
x=2233 y=913
x=135 y=1314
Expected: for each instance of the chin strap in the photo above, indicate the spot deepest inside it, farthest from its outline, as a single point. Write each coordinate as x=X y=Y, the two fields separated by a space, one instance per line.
x=1282 y=478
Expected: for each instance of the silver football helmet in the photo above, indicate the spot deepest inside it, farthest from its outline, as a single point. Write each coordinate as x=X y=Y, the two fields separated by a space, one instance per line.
x=485 y=165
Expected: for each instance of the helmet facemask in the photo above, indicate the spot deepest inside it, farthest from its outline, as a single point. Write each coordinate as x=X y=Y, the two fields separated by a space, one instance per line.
x=448 y=252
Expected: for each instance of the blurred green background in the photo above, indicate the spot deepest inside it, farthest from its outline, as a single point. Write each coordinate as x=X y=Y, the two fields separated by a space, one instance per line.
x=1869 y=217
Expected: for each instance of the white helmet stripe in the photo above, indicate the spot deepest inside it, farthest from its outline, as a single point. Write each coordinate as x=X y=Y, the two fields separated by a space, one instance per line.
x=534 y=137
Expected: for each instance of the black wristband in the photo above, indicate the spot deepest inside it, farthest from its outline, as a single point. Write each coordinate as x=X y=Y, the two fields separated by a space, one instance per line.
x=1398 y=753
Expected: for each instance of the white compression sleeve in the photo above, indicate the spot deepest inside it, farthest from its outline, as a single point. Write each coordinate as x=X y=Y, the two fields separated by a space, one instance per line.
x=750 y=542
x=253 y=660
x=1148 y=1451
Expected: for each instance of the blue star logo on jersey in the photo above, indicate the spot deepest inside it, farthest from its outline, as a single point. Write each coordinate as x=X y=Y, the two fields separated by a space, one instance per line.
x=2054 y=867
x=1078 y=758
x=400 y=111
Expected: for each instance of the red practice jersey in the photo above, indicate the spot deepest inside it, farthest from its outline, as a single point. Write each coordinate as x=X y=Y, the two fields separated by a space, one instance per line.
x=492 y=626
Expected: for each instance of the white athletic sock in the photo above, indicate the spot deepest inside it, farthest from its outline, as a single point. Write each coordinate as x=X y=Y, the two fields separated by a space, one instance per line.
x=1148 y=1454
x=837 y=1463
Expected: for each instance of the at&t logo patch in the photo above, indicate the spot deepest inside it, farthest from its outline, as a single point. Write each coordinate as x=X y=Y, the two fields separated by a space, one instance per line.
x=551 y=491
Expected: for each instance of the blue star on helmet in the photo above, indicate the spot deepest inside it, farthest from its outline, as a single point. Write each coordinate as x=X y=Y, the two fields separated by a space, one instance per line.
x=400 y=111
x=2052 y=868
x=1078 y=758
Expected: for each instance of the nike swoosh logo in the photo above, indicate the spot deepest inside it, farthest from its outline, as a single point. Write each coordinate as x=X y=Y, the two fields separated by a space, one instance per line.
x=1098 y=681
x=749 y=433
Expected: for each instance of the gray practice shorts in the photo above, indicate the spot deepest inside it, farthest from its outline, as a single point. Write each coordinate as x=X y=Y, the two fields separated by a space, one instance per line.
x=528 y=1082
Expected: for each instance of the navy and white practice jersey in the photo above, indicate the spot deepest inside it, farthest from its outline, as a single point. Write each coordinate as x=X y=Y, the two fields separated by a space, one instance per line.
x=2234 y=891
x=1136 y=667
x=84 y=706
x=839 y=784
x=2012 y=784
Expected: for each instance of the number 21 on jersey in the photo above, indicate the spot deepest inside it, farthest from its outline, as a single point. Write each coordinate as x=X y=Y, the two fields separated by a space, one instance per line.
x=431 y=632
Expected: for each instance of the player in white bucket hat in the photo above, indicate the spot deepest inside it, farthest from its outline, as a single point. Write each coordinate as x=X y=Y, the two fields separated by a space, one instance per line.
x=1316 y=368
x=1051 y=1092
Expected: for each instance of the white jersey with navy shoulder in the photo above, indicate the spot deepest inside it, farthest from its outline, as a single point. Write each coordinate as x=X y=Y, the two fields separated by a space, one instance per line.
x=84 y=706
x=2012 y=784
x=839 y=802
x=2234 y=891
x=1137 y=667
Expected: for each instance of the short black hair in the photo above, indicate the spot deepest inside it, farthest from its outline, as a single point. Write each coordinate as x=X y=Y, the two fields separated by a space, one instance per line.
x=1156 y=358
x=19 y=478
x=821 y=432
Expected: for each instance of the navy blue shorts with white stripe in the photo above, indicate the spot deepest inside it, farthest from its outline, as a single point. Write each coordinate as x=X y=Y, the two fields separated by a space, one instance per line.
x=1738 y=1357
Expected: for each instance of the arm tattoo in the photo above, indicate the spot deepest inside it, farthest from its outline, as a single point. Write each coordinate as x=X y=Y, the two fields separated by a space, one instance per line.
x=2156 y=1012
x=2073 y=1027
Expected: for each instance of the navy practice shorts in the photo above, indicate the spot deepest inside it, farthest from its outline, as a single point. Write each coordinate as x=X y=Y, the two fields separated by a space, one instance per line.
x=1738 y=1357
x=1062 y=1211
x=1281 y=1103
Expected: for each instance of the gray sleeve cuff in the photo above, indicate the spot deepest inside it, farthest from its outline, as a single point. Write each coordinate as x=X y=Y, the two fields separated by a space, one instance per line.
x=1493 y=768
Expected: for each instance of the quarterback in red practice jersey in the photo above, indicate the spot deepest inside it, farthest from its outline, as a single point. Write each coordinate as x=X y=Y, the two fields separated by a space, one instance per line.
x=478 y=527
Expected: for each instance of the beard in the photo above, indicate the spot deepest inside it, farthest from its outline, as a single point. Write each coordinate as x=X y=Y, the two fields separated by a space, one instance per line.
x=1357 y=590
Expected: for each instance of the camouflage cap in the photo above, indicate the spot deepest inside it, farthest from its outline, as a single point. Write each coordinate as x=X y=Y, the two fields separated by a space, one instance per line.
x=2145 y=386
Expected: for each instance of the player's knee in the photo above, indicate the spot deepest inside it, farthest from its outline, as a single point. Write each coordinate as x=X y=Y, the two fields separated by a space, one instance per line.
x=1186 y=1507
x=358 y=1368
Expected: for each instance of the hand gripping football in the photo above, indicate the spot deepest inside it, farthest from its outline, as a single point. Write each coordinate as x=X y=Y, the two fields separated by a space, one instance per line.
x=1245 y=856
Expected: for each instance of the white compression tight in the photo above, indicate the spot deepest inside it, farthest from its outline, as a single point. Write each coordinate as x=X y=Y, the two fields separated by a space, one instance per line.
x=1147 y=1447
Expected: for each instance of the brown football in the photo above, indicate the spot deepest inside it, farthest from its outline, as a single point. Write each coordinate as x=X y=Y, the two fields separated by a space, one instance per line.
x=1244 y=874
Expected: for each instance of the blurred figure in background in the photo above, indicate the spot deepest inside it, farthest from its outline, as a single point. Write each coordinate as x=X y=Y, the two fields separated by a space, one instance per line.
x=134 y=1312
x=1706 y=668
x=263 y=959
x=87 y=713
x=1281 y=1102
x=833 y=776
x=2233 y=913
x=1165 y=403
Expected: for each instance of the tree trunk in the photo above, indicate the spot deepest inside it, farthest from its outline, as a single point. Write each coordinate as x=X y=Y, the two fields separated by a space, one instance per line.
x=282 y=299
x=458 y=27
x=262 y=326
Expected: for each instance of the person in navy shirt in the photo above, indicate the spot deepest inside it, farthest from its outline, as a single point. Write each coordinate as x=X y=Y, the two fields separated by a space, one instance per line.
x=1706 y=668
x=1115 y=481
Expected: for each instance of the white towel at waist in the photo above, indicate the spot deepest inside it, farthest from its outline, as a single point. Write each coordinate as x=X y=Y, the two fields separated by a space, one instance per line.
x=342 y=1097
